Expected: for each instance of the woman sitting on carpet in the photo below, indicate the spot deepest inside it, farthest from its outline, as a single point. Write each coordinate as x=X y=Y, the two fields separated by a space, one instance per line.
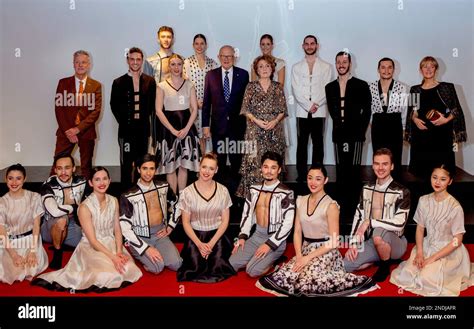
x=439 y=264
x=205 y=214
x=318 y=267
x=22 y=255
x=99 y=262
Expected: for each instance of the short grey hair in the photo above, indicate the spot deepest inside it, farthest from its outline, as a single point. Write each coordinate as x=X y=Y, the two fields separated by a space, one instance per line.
x=82 y=52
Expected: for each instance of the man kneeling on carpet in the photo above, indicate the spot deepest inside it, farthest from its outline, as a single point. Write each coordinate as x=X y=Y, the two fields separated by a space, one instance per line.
x=144 y=219
x=61 y=195
x=271 y=206
x=380 y=218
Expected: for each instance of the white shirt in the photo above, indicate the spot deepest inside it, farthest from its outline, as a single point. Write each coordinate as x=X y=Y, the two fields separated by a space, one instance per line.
x=231 y=74
x=78 y=81
x=309 y=88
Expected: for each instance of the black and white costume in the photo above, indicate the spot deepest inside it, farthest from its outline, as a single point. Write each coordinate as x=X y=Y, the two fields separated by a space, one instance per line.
x=390 y=227
x=136 y=228
x=280 y=222
x=388 y=118
x=53 y=198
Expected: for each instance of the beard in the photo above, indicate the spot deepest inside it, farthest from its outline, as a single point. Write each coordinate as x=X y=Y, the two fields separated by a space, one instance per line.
x=344 y=72
x=310 y=53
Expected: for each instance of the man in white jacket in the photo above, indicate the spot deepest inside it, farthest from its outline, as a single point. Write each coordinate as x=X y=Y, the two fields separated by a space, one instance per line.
x=308 y=79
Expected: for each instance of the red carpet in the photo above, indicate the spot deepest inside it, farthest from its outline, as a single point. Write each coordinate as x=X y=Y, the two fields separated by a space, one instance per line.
x=165 y=284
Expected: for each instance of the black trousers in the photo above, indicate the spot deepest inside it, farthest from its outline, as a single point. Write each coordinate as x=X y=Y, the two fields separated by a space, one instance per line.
x=131 y=148
x=348 y=181
x=307 y=127
x=226 y=147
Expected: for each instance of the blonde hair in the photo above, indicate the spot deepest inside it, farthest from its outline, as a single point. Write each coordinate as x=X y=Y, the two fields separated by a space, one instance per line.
x=210 y=156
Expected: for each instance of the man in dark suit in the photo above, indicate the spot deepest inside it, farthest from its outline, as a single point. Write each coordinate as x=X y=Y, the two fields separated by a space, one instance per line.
x=78 y=103
x=223 y=94
x=133 y=104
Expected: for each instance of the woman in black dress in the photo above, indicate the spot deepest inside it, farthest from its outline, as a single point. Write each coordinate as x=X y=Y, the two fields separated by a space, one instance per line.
x=435 y=122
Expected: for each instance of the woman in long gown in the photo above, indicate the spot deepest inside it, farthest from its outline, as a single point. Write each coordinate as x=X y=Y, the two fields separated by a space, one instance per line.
x=195 y=69
x=264 y=105
x=205 y=214
x=22 y=255
x=439 y=264
x=435 y=121
x=318 y=267
x=176 y=107
x=99 y=262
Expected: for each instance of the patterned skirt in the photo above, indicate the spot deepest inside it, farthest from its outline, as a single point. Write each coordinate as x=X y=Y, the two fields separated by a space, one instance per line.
x=174 y=152
x=322 y=276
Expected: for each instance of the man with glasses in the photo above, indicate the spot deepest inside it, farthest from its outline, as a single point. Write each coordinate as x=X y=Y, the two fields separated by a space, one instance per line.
x=224 y=90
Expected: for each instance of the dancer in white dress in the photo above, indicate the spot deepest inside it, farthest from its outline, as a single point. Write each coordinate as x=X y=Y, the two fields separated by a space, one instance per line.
x=22 y=255
x=99 y=262
x=439 y=264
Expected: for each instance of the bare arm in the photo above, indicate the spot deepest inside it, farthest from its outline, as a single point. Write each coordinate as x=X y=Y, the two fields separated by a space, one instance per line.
x=419 y=235
x=221 y=229
x=281 y=76
x=333 y=226
x=160 y=95
x=188 y=229
x=446 y=250
x=298 y=236
x=193 y=106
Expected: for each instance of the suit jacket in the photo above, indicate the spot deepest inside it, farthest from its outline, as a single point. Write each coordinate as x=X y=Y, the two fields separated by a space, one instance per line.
x=356 y=110
x=122 y=104
x=67 y=107
x=223 y=117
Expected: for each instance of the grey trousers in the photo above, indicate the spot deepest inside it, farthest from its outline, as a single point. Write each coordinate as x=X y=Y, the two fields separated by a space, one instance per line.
x=245 y=258
x=73 y=236
x=369 y=254
x=167 y=249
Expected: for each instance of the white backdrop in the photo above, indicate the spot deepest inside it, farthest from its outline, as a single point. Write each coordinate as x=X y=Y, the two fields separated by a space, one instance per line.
x=38 y=38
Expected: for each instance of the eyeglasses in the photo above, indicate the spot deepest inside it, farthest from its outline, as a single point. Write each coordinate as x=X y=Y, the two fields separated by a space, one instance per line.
x=226 y=56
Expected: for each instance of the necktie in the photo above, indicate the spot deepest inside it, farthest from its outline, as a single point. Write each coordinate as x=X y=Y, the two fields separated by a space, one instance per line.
x=226 y=86
x=79 y=101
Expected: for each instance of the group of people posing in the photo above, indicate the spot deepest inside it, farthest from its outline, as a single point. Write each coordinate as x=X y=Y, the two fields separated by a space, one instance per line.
x=170 y=110
x=96 y=226
x=177 y=108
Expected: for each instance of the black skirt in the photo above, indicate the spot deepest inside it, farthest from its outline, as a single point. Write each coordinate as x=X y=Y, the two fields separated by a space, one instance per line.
x=213 y=269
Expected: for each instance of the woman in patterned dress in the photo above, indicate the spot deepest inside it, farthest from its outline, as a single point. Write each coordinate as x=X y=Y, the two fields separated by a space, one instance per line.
x=266 y=46
x=195 y=69
x=318 y=268
x=205 y=214
x=22 y=255
x=176 y=107
x=264 y=105
x=439 y=264
x=100 y=262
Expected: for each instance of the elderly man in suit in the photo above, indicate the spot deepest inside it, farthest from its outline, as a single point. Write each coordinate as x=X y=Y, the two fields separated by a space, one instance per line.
x=224 y=90
x=78 y=102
